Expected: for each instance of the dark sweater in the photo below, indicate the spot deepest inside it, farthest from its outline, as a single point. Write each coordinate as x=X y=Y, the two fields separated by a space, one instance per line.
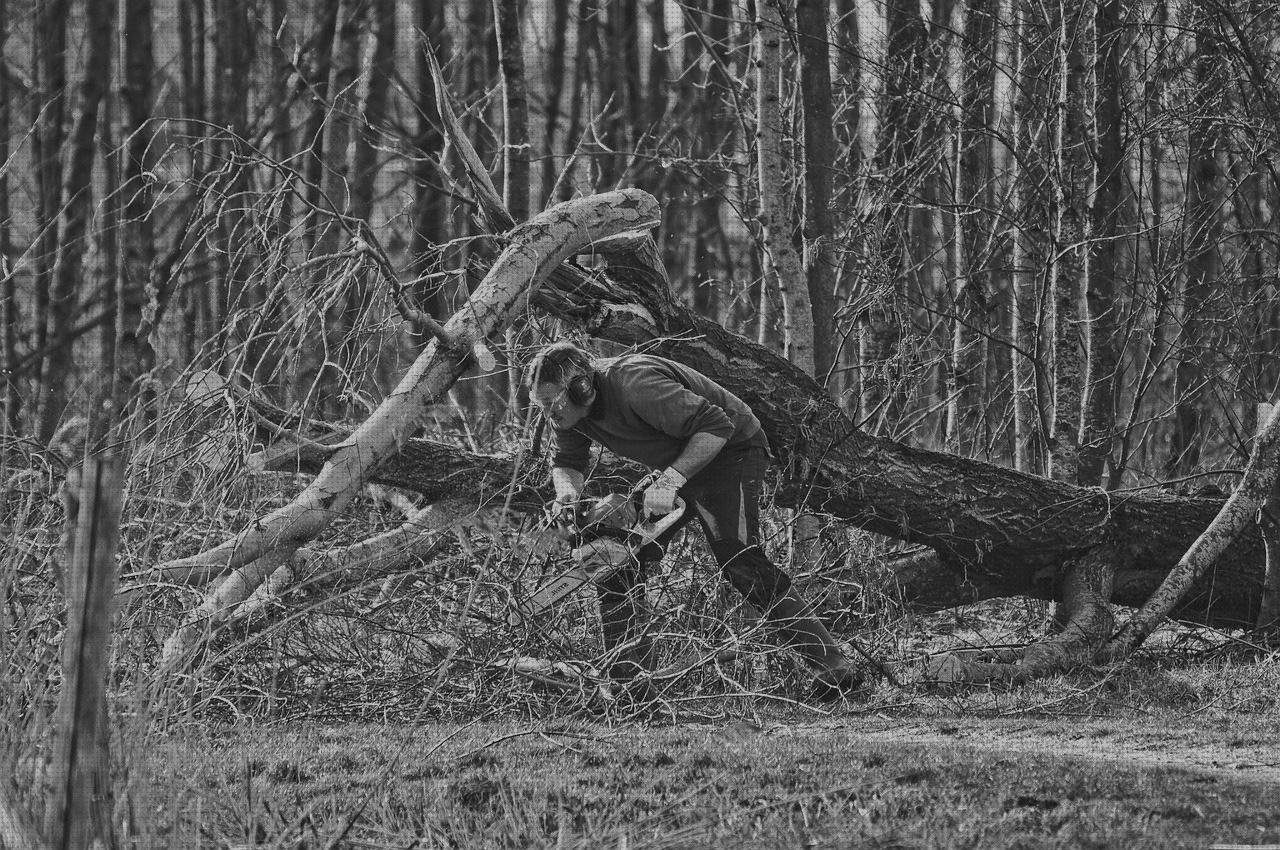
x=648 y=407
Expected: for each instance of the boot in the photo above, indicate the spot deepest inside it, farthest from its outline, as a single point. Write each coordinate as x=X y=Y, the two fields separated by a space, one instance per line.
x=834 y=674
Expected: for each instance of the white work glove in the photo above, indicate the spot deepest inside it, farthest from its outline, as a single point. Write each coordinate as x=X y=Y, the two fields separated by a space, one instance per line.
x=567 y=493
x=660 y=496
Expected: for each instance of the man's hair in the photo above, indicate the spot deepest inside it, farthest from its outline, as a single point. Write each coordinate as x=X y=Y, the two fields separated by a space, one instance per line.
x=558 y=363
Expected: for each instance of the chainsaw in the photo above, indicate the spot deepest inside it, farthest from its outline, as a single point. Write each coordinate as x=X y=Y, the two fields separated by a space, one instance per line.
x=604 y=535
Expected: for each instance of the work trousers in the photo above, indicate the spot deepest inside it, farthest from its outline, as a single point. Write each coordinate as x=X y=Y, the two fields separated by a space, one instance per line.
x=726 y=500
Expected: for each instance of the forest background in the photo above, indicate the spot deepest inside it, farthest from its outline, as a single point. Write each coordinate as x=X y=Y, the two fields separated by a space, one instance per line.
x=1035 y=234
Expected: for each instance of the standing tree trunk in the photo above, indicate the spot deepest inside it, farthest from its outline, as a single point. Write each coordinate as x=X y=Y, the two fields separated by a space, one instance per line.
x=1104 y=266
x=232 y=43
x=515 y=109
x=1031 y=261
x=1158 y=277
x=1203 y=234
x=515 y=154
x=134 y=354
x=620 y=83
x=974 y=32
x=579 y=91
x=10 y=423
x=555 y=83
x=48 y=115
x=327 y=20
x=192 y=34
x=430 y=211
x=819 y=163
x=902 y=127
x=715 y=132
x=334 y=380
x=72 y=241
x=650 y=177
x=776 y=218
x=1070 y=185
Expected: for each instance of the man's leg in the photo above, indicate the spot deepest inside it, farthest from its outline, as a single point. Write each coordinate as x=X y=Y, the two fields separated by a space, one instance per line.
x=730 y=514
x=624 y=616
x=624 y=611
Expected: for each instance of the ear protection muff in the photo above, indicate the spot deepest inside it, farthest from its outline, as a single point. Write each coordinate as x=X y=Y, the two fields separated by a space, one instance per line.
x=580 y=389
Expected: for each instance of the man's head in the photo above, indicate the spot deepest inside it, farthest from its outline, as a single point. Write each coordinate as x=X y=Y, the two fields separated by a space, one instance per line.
x=561 y=383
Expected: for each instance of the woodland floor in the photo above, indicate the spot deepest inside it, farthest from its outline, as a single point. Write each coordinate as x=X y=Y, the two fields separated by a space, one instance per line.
x=786 y=781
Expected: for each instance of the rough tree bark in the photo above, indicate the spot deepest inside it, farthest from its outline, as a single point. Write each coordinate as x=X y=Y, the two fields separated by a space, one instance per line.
x=776 y=218
x=9 y=397
x=1102 y=289
x=134 y=353
x=1070 y=182
x=1193 y=406
x=819 y=163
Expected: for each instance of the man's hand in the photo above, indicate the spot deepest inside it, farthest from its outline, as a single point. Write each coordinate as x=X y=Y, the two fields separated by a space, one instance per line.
x=567 y=483
x=660 y=496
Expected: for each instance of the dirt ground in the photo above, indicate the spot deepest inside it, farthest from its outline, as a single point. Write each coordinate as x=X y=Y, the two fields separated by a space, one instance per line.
x=1251 y=754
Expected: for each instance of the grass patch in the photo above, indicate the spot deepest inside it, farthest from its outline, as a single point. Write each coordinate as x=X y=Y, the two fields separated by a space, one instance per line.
x=724 y=785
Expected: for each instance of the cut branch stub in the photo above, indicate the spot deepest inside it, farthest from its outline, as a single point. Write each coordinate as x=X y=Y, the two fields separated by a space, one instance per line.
x=533 y=250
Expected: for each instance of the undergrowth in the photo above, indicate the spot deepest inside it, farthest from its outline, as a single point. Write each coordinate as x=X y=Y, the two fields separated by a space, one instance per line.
x=429 y=642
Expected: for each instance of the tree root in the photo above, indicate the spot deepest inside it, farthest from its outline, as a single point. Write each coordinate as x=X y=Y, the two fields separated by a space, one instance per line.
x=1085 y=624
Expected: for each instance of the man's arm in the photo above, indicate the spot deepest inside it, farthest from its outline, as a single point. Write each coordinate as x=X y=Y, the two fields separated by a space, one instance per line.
x=660 y=496
x=698 y=452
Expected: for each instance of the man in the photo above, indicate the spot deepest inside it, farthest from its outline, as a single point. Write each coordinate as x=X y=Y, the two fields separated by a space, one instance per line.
x=712 y=453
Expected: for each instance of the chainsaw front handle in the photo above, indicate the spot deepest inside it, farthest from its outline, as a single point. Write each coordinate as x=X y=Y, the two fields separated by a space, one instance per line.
x=648 y=532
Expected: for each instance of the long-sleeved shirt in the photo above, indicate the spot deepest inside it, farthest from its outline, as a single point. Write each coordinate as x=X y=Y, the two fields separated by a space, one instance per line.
x=648 y=407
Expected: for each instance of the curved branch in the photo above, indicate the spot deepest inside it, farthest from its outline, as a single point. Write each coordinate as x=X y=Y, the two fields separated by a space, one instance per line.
x=533 y=251
x=1237 y=514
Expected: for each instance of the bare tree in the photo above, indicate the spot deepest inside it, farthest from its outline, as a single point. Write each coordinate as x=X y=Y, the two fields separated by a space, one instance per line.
x=1197 y=335
x=430 y=213
x=902 y=128
x=49 y=109
x=1104 y=261
x=134 y=352
x=1070 y=180
x=783 y=267
x=74 y=222
x=819 y=164
x=970 y=196
x=515 y=109
x=9 y=313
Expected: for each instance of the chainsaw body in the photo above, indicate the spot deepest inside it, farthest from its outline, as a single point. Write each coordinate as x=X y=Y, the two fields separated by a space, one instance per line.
x=604 y=535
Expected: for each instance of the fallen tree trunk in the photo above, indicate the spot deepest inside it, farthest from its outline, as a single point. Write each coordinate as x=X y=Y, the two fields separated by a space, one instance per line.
x=990 y=531
x=995 y=531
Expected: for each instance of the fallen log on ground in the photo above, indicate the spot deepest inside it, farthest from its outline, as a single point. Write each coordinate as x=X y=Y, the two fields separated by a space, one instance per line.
x=995 y=531
x=990 y=531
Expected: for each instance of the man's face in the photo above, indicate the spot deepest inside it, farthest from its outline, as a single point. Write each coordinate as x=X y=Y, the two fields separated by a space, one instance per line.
x=553 y=399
